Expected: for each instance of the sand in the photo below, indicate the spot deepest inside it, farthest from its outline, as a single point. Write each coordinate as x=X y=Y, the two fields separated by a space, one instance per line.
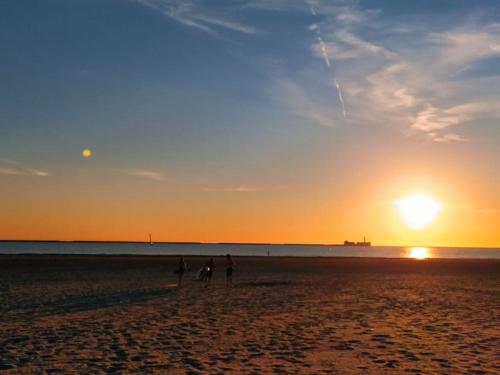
x=123 y=314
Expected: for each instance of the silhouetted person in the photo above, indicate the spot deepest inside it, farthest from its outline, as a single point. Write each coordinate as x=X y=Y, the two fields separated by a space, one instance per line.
x=210 y=271
x=180 y=270
x=229 y=270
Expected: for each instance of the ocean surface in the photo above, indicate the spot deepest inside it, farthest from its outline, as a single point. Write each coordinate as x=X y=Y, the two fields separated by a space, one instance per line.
x=244 y=250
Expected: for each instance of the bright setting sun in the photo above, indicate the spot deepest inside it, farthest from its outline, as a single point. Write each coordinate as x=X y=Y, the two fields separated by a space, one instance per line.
x=418 y=210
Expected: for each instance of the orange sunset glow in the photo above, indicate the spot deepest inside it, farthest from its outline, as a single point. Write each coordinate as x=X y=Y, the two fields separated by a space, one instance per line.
x=317 y=139
x=115 y=208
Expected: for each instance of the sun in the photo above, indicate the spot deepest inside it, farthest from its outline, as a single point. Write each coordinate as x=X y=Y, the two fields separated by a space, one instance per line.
x=418 y=210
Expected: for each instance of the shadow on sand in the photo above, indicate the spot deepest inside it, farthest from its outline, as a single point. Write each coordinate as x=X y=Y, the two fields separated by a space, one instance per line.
x=86 y=303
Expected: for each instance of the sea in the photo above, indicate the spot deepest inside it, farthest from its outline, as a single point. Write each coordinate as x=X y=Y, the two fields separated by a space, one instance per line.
x=213 y=249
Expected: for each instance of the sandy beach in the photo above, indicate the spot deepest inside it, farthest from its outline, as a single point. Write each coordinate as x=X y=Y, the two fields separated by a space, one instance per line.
x=123 y=314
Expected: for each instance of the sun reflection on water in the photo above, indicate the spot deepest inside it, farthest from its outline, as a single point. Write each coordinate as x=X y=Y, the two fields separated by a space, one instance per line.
x=419 y=253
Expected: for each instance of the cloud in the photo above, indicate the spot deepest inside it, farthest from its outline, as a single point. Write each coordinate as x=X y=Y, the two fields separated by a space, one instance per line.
x=344 y=45
x=230 y=25
x=324 y=53
x=445 y=137
x=303 y=103
x=36 y=172
x=15 y=168
x=414 y=74
x=193 y=14
x=275 y=5
x=433 y=120
x=341 y=99
x=144 y=173
x=463 y=46
x=234 y=189
x=10 y=171
x=406 y=73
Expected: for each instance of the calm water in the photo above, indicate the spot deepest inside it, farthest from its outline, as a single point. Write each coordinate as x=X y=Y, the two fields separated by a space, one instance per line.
x=221 y=249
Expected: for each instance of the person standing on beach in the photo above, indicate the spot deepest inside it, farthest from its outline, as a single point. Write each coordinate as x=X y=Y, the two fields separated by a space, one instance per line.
x=229 y=270
x=181 y=268
x=210 y=272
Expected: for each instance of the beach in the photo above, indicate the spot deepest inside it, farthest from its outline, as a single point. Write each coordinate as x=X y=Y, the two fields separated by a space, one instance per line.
x=284 y=315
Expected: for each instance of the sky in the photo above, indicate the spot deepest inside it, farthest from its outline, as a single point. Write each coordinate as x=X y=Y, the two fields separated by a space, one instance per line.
x=249 y=121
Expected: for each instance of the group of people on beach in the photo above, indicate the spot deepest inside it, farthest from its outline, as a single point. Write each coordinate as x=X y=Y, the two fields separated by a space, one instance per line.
x=206 y=272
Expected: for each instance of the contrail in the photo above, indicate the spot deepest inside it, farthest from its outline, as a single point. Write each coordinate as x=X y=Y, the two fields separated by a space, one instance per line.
x=341 y=99
x=324 y=53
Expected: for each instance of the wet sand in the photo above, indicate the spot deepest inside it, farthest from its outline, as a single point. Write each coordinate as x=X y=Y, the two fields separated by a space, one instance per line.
x=123 y=314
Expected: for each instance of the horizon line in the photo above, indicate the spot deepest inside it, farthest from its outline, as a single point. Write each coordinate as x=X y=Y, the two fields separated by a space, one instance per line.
x=242 y=243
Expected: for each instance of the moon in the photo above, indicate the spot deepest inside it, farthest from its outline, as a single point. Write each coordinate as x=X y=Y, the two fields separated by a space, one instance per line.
x=418 y=211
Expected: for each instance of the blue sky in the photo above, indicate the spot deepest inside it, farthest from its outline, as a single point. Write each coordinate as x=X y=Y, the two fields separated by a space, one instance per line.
x=65 y=59
x=246 y=96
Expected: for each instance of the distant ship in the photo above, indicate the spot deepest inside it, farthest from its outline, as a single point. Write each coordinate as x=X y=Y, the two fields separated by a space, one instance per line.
x=364 y=243
x=150 y=240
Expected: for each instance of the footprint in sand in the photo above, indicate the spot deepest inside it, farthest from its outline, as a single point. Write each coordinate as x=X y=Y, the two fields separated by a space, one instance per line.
x=193 y=363
x=343 y=345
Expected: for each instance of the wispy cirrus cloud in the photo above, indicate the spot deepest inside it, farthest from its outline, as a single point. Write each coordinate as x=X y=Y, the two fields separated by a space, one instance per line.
x=146 y=173
x=15 y=168
x=194 y=14
x=413 y=77
x=462 y=46
x=433 y=120
x=303 y=103
x=412 y=74
x=275 y=5
x=344 y=45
